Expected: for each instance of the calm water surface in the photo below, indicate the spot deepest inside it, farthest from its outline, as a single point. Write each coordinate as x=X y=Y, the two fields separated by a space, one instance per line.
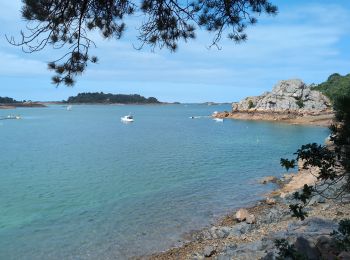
x=81 y=185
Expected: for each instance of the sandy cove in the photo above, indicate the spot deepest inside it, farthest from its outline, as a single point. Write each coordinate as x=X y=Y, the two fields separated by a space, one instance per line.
x=324 y=118
x=230 y=239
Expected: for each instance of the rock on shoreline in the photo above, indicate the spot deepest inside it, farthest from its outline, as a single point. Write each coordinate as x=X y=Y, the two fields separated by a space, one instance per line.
x=236 y=238
x=291 y=101
x=286 y=96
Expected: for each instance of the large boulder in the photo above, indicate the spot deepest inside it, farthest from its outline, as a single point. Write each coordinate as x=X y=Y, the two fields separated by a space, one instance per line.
x=242 y=214
x=286 y=96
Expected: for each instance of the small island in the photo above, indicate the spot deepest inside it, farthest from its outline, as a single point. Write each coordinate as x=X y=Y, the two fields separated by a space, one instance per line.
x=108 y=98
x=10 y=103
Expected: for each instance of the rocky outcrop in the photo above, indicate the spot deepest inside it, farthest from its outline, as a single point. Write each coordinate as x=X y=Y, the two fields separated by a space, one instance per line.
x=287 y=96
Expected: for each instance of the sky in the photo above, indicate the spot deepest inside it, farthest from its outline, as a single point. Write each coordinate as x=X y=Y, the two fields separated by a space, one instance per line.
x=307 y=39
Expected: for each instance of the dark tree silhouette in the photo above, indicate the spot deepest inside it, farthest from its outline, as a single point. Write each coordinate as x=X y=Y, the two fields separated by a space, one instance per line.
x=66 y=24
x=111 y=98
x=333 y=162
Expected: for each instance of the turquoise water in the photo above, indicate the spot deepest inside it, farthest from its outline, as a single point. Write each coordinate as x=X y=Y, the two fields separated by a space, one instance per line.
x=81 y=185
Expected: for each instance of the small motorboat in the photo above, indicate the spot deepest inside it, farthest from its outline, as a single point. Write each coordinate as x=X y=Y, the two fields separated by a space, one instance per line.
x=128 y=118
x=11 y=117
x=69 y=108
x=219 y=119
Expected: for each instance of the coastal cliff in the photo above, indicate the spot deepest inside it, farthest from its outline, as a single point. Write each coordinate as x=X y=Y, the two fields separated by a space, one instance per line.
x=291 y=101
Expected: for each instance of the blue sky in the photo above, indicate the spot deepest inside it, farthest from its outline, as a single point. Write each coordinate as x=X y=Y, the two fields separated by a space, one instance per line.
x=308 y=40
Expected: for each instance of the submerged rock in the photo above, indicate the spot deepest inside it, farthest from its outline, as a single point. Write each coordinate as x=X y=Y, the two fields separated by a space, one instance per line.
x=268 y=179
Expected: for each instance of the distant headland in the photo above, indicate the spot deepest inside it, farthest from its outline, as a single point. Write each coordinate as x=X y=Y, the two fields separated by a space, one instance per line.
x=108 y=98
x=85 y=98
x=10 y=103
x=292 y=101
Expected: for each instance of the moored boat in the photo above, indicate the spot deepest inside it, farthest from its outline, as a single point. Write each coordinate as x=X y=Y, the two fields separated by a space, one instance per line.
x=128 y=118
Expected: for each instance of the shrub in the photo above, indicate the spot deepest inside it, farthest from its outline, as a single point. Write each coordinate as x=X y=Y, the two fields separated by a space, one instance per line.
x=300 y=103
x=250 y=104
x=287 y=251
x=342 y=235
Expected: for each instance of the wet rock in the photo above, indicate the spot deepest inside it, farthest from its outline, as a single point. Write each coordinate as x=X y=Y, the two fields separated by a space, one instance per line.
x=311 y=228
x=209 y=251
x=270 y=201
x=269 y=256
x=272 y=216
x=242 y=214
x=268 y=179
x=240 y=229
x=215 y=233
x=302 y=245
x=251 y=219
x=327 y=248
x=229 y=249
x=344 y=255
x=244 y=251
x=317 y=199
x=197 y=256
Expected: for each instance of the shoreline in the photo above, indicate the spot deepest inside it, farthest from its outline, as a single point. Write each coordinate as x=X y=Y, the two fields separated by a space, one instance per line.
x=106 y=104
x=233 y=239
x=322 y=118
x=22 y=105
x=271 y=215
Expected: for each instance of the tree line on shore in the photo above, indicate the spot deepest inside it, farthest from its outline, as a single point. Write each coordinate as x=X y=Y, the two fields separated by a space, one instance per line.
x=333 y=163
x=100 y=97
x=8 y=100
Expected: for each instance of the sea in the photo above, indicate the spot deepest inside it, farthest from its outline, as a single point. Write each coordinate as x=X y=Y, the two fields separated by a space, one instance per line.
x=81 y=184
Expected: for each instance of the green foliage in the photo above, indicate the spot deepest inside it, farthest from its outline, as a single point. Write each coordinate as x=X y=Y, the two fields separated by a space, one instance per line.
x=288 y=164
x=298 y=211
x=325 y=159
x=335 y=87
x=250 y=104
x=7 y=100
x=342 y=235
x=163 y=23
x=287 y=251
x=320 y=156
x=100 y=97
x=305 y=194
x=300 y=103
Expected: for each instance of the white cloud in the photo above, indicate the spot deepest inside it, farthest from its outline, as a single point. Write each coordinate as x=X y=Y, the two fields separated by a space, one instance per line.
x=10 y=10
x=14 y=65
x=303 y=41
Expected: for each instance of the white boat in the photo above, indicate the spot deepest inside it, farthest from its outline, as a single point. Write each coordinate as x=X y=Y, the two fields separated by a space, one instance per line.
x=219 y=119
x=69 y=108
x=11 y=117
x=128 y=118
